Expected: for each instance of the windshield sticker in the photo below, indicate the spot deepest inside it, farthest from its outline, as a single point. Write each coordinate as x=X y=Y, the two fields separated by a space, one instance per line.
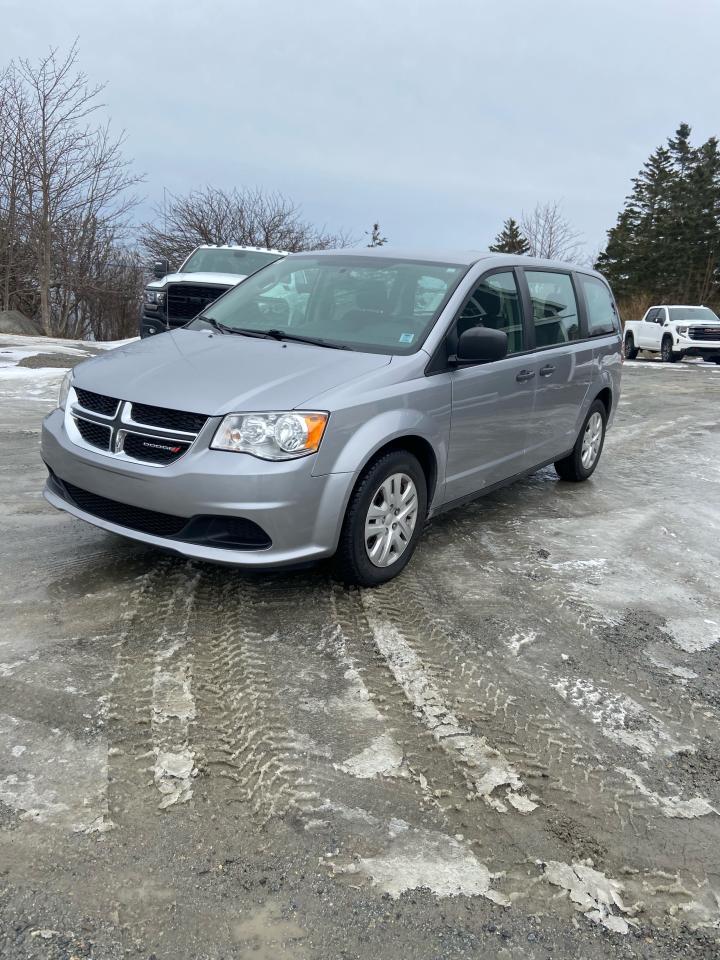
x=407 y=337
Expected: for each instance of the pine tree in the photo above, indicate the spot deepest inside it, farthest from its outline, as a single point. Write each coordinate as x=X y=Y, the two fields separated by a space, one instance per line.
x=376 y=237
x=665 y=245
x=510 y=239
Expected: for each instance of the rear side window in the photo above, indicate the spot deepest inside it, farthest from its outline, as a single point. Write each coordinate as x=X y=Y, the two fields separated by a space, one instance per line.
x=555 y=312
x=495 y=302
x=601 y=314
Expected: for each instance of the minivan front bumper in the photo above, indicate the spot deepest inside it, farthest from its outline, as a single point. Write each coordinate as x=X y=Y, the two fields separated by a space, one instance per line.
x=300 y=513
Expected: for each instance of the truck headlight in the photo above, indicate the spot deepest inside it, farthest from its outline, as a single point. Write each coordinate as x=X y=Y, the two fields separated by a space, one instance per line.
x=65 y=389
x=271 y=436
x=682 y=330
x=154 y=296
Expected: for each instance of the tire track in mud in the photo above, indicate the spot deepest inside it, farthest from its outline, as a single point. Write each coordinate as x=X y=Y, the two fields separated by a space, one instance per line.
x=239 y=734
x=156 y=618
x=590 y=802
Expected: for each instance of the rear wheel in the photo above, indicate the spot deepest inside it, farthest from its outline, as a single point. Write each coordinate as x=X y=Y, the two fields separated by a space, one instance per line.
x=581 y=463
x=383 y=521
x=631 y=351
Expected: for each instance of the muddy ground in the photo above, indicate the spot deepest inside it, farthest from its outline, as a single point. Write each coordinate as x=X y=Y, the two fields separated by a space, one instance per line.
x=512 y=751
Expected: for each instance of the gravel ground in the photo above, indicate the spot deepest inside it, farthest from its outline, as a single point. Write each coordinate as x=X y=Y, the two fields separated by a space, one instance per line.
x=512 y=751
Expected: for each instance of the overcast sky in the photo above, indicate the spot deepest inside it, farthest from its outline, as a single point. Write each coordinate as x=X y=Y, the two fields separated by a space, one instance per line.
x=438 y=118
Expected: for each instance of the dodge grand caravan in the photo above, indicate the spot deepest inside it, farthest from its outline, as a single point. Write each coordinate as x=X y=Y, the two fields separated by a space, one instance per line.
x=335 y=401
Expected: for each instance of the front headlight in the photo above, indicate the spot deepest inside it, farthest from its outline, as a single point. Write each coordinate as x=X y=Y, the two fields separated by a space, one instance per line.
x=65 y=389
x=153 y=296
x=271 y=436
x=682 y=330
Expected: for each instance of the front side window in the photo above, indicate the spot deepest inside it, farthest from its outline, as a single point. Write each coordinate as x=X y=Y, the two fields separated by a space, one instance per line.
x=373 y=304
x=555 y=312
x=601 y=315
x=495 y=302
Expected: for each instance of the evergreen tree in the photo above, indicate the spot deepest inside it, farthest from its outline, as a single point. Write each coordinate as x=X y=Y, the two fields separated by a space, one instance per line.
x=510 y=239
x=376 y=237
x=665 y=244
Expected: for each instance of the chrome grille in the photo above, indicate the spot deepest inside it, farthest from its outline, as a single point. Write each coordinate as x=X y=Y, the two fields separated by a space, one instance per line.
x=704 y=333
x=156 y=436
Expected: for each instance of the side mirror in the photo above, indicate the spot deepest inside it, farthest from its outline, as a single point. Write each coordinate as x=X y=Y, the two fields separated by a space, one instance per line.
x=481 y=345
x=161 y=268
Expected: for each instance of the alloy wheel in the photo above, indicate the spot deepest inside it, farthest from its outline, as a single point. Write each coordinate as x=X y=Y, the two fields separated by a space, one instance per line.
x=391 y=519
x=591 y=441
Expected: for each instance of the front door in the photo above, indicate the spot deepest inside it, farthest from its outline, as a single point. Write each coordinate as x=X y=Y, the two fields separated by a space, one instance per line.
x=491 y=403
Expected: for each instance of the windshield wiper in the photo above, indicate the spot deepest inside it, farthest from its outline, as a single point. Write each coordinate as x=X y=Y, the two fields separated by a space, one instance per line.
x=220 y=327
x=298 y=338
x=223 y=328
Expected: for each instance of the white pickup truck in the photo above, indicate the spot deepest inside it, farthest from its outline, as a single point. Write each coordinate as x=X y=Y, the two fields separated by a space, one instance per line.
x=172 y=299
x=675 y=332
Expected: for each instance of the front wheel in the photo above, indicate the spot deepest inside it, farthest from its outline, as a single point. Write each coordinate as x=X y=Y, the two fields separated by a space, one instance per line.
x=581 y=462
x=383 y=521
x=666 y=352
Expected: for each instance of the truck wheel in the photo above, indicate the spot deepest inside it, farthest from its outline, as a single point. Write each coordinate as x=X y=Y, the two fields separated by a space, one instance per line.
x=383 y=521
x=631 y=351
x=666 y=351
x=581 y=463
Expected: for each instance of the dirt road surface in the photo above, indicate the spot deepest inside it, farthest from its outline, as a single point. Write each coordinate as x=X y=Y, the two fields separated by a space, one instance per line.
x=512 y=751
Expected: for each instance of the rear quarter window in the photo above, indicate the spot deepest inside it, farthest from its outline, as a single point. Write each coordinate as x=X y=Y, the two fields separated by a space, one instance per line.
x=602 y=317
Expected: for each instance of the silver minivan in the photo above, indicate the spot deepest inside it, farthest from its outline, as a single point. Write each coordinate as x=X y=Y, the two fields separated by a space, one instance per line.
x=334 y=402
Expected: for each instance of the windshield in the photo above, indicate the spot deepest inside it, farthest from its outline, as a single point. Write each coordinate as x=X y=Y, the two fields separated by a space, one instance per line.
x=227 y=260
x=696 y=314
x=359 y=302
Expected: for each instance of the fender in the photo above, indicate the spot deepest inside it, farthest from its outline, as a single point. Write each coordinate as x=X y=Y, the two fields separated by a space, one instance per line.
x=353 y=442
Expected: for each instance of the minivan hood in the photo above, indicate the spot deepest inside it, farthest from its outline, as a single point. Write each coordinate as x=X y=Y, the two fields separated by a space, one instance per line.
x=215 y=374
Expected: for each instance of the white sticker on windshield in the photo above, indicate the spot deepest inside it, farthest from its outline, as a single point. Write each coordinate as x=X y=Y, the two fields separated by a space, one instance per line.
x=407 y=337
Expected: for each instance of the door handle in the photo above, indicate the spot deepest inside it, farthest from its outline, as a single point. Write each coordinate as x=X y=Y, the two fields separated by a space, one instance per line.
x=525 y=375
x=547 y=371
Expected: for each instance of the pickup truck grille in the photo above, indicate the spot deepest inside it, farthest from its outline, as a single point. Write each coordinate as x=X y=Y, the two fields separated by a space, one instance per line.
x=186 y=300
x=704 y=333
x=156 y=435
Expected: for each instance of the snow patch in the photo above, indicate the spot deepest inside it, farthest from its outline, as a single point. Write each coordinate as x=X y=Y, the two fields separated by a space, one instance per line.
x=620 y=718
x=417 y=859
x=596 y=895
x=382 y=758
x=670 y=806
x=694 y=634
x=488 y=768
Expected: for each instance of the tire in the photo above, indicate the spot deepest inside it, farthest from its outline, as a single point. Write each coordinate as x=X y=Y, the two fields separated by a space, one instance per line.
x=573 y=467
x=666 y=351
x=353 y=563
x=631 y=351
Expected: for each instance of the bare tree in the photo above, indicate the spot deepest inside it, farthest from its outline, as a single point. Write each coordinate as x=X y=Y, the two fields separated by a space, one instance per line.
x=15 y=271
x=250 y=217
x=549 y=234
x=75 y=176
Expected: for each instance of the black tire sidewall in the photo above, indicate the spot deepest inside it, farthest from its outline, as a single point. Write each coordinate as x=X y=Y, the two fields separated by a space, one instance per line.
x=597 y=407
x=571 y=467
x=668 y=358
x=355 y=565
